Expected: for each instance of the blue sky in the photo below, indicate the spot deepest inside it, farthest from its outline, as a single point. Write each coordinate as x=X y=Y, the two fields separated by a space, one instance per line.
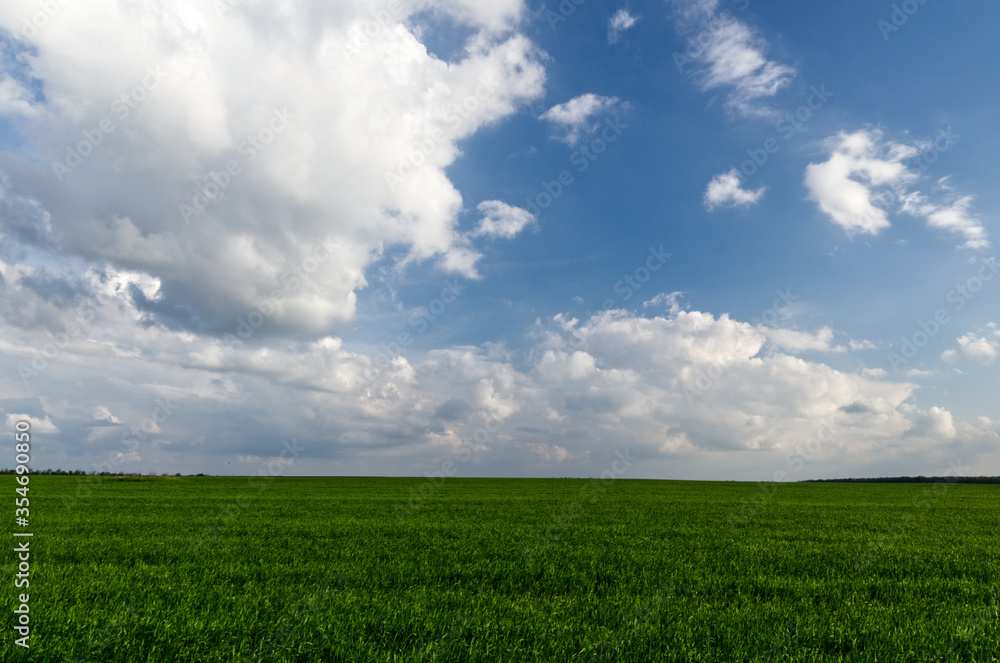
x=439 y=230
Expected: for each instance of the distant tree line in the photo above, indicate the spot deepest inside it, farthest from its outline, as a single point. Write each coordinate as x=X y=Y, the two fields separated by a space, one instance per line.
x=81 y=473
x=919 y=479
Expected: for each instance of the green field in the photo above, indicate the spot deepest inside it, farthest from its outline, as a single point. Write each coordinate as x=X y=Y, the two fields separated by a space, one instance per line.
x=225 y=569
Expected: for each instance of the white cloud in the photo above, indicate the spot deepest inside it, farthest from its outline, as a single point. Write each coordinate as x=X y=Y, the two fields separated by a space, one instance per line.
x=798 y=341
x=497 y=16
x=917 y=373
x=835 y=185
x=102 y=413
x=353 y=134
x=866 y=176
x=127 y=457
x=725 y=190
x=572 y=118
x=621 y=21
x=461 y=259
x=14 y=99
x=502 y=220
x=645 y=369
x=147 y=295
x=986 y=422
x=953 y=217
x=677 y=385
x=728 y=54
x=980 y=349
x=43 y=425
x=934 y=423
x=667 y=300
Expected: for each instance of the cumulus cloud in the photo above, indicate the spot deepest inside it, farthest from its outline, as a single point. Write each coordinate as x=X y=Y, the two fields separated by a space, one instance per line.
x=14 y=98
x=936 y=423
x=723 y=52
x=698 y=380
x=102 y=413
x=502 y=220
x=978 y=348
x=220 y=190
x=725 y=191
x=341 y=149
x=572 y=118
x=621 y=21
x=38 y=425
x=866 y=176
x=678 y=384
x=842 y=184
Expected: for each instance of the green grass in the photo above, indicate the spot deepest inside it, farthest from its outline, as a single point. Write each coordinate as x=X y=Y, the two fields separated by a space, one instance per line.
x=509 y=570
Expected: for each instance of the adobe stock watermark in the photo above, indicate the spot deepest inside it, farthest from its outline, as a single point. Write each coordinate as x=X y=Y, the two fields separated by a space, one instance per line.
x=293 y=281
x=795 y=461
x=267 y=470
x=563 y=11
x=589 y=494
x=107 y=637
x=705 y=378
x=121 y=107
x=456 y=114
x=614 y=646
x=705 y=37
x=420 y=321
x=944 y=139
x=58 y=343
x=958 y=297
x=786 y=127
x=582 y=158
x=38 y=20
x=298 y=615
x=381 y=20
x=983 y=621
x=632 y=282
x=929 y=497
x=419 y=496
x=212 y=186
x=162 y=410
x=438 y=650
x=627 y=286
x=899 y=17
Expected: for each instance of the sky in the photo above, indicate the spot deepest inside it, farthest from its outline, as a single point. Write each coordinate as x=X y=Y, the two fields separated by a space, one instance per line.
x=720 y=239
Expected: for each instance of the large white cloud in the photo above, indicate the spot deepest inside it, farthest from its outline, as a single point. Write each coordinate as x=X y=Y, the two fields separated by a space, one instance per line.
x=335 y=122
x=132 y=330
x=866 y=177
x=679 y=387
